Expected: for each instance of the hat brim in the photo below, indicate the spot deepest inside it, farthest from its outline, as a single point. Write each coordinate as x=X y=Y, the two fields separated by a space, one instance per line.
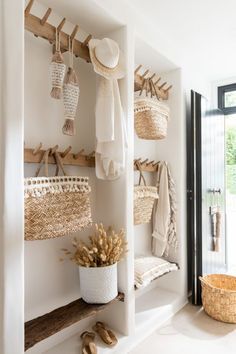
x=115 y=73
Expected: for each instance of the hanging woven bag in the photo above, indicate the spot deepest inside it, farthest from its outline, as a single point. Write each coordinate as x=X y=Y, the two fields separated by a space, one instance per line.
x=150 y=115
x=55 y=206
x=70 y=97
x=144 y=197
x=58 y=69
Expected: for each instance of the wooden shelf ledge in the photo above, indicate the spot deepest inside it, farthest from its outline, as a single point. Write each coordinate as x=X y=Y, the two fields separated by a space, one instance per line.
x=45 y=326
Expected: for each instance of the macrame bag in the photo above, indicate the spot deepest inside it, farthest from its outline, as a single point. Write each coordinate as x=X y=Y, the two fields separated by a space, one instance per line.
x=144 y=197
x=55 y=206
x=150 y=115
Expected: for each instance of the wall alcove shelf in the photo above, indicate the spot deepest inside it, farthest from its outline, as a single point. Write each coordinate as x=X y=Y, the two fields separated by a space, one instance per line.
x=79 y=158
x=45 y=326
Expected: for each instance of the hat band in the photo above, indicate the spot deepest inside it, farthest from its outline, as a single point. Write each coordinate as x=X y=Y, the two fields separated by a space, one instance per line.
x=105 y=67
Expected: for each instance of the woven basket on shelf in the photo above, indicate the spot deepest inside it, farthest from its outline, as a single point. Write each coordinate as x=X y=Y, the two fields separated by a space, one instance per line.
x=219 y=297
x=150 y=116
x=144 y=197
x=55 y=206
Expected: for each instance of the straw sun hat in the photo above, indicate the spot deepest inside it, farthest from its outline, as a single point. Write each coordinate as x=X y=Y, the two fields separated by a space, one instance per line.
x=106 y=57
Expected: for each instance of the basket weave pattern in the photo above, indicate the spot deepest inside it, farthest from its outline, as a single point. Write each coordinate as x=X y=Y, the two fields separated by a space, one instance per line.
x=56 y=206
x=150 y=118
x=144 y=197
x=219 y=297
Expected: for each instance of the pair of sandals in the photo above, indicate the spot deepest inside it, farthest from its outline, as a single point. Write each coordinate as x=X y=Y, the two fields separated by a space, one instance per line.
x=107 y=336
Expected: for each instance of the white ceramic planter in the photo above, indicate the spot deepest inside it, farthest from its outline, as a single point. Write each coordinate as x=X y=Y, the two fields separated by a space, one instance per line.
x=98 y=285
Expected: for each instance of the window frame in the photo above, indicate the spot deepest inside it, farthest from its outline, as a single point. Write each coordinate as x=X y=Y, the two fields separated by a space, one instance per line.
x=221 y=98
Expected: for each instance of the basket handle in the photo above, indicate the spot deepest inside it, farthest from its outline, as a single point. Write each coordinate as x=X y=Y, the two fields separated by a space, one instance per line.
x=141 y=176
x=43 y=162
x=59 y=163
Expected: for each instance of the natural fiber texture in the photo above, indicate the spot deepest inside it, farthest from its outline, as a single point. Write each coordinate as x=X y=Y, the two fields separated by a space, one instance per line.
x=70 y=98
x=150 y=118
x=144 y=197
x=58 y=69
x=219 y=297
x=55 y=206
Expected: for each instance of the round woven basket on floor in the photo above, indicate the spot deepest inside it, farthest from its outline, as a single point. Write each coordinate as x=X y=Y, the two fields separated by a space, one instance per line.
x=219 y=297
x=150 y=118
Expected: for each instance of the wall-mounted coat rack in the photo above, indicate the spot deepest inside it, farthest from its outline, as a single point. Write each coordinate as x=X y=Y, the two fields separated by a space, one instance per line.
x=41 y=28
x=160 y=90
x=78 y=159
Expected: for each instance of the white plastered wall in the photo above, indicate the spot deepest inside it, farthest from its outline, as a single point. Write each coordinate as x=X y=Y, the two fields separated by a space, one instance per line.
x=11 y=170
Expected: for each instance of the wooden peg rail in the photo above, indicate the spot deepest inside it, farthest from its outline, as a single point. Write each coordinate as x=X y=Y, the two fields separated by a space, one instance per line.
x=78 y=159
x=41 y=28
x=162 y=90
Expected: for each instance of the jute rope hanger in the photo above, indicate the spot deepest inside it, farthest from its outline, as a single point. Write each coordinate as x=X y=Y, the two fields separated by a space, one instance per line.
x=36 y=155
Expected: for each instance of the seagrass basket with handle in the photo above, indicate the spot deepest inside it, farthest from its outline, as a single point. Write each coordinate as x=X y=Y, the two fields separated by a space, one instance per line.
x=219 y=296
x=151 y=116
x=55 y=206
x=144 y=197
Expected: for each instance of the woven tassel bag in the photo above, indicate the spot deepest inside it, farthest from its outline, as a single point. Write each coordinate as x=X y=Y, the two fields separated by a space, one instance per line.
x=150 y=115
x=144 y=197
x=55 y=206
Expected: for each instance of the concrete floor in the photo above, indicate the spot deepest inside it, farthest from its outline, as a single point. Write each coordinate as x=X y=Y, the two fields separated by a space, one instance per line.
x=191 y=331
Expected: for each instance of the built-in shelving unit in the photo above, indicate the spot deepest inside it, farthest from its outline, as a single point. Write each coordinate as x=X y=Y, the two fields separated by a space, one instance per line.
x=51 y=286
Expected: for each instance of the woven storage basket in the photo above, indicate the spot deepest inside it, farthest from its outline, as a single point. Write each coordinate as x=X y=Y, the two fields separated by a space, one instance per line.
x=55 y=206
x=150 y=118
x=144 y=197
x=219 y=297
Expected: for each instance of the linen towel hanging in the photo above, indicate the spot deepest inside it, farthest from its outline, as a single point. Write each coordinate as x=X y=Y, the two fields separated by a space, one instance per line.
x=111 y=136
x=164 y=240
x=55 y=206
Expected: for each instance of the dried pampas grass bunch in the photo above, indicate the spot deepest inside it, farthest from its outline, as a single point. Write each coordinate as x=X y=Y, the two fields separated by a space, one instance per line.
x=106 y=247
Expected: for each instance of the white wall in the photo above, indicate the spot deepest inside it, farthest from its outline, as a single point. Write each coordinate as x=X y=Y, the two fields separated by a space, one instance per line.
x=11 y=177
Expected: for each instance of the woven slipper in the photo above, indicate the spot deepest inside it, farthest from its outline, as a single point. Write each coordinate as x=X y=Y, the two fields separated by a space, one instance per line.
x=105 y=334
x=88 y=345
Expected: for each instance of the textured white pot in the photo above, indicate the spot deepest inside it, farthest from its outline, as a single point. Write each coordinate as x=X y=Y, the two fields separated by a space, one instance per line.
x=98 y=285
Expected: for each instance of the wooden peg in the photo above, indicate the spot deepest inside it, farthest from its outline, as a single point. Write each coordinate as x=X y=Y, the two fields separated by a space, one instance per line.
x=160 y=87
x=61 y=24
x=37 y=149
x=45 y=17
x=146 y=72
x=53 y=150
x=158 y=80
x=89 y=156
x=152 y=77
x=78 y=154
x=137 y=69
x=87 y=39
x=168 y=88
x=74 y=32
x=150 y=162
x=66 y=152
x=155 y=164
x=29 y=7
x=144 y=162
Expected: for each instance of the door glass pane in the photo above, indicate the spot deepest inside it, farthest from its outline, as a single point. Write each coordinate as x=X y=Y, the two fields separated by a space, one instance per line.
x=230 y=99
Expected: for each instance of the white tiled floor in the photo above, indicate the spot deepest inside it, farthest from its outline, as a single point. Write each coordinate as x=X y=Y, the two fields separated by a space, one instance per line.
x=190 y=331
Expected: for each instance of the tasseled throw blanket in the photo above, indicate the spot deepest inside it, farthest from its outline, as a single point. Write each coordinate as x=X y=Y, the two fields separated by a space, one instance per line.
x=164 y=214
